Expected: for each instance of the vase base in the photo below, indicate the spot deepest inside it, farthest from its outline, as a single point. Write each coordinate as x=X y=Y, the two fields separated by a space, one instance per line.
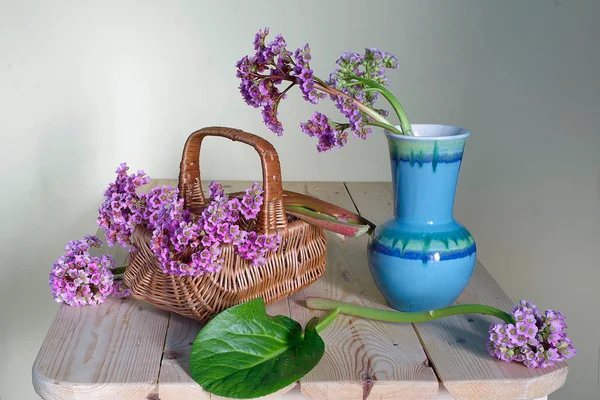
x=414 y=286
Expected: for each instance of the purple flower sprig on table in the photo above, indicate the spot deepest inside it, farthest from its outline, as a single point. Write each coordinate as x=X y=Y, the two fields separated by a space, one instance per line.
x=120 y=289
x=354 y=87
x=527 y=336
x=79 y=279
x=535 y=339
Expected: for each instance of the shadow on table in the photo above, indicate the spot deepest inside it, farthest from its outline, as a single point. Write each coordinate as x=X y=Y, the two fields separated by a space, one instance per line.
x=468 y=332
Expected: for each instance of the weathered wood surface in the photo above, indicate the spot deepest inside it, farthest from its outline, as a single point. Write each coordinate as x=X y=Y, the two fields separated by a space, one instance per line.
x=363 y=358
x=128 y=349
x=456 y=345
x=111 y=351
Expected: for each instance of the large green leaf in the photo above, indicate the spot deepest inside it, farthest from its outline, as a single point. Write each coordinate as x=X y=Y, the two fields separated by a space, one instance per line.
x=244 y=353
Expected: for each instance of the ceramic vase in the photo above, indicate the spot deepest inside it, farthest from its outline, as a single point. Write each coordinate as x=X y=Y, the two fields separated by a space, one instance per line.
x=421 y=258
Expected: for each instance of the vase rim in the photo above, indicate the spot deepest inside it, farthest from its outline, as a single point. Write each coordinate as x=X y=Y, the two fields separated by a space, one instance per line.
x=424 y=132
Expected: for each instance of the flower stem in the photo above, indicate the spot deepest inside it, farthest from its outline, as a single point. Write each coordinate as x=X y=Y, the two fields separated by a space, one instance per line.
x=276 y=77
x=322 y=86
x=119 y=270
x=398 y=316
x=404 y=122
x=282 y=94
x=327 y=320
x=385 y=126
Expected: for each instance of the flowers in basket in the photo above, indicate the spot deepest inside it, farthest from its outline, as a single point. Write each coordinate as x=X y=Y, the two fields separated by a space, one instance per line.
x=184 y=244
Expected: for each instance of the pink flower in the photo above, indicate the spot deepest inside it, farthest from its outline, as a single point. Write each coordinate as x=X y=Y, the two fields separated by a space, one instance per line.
x=174 y=230
x=78 y=279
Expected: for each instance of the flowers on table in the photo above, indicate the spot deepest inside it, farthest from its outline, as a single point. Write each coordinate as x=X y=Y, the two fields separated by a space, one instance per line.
x=120 y=289
x=266 y=371
x=354 y=86
x=78 y=279
x=527 y=336
x=534 y=339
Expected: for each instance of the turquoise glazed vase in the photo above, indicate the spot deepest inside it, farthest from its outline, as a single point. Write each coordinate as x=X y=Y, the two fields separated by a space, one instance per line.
x=422 y=259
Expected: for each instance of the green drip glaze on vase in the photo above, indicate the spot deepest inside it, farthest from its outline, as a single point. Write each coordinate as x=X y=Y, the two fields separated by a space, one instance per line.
x=422 y=259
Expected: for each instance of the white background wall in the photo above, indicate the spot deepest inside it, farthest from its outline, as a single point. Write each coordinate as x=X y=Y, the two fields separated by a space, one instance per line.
x=86 y=85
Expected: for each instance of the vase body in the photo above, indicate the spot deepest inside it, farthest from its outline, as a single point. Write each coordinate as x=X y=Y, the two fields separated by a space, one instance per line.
x=421 y=258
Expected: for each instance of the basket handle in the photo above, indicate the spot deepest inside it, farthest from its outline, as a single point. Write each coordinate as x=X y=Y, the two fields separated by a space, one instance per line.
x=271 y=215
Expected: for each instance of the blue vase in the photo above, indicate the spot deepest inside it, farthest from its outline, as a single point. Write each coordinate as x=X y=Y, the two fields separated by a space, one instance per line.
x=422 y=258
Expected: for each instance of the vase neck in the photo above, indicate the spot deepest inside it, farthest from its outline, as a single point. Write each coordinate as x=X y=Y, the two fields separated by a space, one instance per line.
x=424 y=177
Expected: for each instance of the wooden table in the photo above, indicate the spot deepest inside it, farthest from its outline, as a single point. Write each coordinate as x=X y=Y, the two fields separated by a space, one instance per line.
x=127 y=349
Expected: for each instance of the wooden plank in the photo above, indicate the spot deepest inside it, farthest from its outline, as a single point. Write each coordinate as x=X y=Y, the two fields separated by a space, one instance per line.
x=456 y=345
x=110 y=351
x=363 y=358
x=175 y=382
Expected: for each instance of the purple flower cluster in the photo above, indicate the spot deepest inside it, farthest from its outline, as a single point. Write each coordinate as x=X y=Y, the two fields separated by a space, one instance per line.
x=370 y=65
x=160 y=203
x=184 y=244
x=305 y=75
x=120 y=290
x=272 y=64
x=172 y=229
x=78 y=279
x=176 y=233
x=349 y=109
x=321 y=127
x=122 y=208
x=537 y=340
x=253 y=246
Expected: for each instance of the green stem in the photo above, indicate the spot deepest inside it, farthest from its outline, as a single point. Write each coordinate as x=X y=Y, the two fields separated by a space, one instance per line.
x=320 y=215
x=404 y=122
x=327 y=320
x=398 y=316
x=119 y=270
x=322 y=86
x=385 y=126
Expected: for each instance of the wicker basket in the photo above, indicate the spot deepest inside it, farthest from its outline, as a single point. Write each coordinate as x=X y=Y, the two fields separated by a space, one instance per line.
x=299 y=261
